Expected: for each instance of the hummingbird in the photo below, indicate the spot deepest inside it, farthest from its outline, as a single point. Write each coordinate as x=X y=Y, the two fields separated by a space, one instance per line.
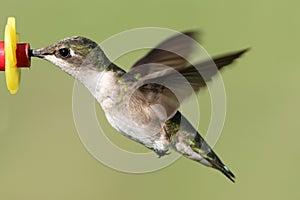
x=137 y=103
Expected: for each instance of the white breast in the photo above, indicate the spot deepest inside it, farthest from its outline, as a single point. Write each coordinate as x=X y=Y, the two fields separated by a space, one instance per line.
x=104 y=87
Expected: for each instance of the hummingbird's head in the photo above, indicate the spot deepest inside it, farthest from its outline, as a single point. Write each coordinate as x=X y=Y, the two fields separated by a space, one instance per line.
x=74 y=54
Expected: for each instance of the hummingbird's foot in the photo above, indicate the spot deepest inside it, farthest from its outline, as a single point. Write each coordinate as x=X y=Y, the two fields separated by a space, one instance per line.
x=161 y=153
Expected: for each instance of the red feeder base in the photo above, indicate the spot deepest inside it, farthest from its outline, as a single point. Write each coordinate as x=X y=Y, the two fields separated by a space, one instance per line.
x=23 y=57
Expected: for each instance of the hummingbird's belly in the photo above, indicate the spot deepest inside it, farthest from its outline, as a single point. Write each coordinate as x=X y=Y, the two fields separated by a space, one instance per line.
x=150 y=134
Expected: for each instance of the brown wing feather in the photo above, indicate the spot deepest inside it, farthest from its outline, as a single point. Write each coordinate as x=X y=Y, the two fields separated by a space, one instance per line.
x=172 y=53
x=181 y=83
x=201 y=73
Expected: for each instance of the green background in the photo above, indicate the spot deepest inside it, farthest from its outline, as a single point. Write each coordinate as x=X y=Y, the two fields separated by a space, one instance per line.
x=41 y=156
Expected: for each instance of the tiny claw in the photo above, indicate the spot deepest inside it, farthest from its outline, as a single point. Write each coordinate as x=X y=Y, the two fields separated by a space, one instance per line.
x=162 y=153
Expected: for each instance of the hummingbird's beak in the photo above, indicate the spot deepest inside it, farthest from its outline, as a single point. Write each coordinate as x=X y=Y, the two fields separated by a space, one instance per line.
x=38 y=53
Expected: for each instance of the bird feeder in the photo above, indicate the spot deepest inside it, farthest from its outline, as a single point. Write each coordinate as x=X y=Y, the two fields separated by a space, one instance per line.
x=13 y=55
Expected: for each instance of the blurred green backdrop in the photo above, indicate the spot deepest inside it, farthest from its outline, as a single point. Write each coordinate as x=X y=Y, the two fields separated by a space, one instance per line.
x=41 y=154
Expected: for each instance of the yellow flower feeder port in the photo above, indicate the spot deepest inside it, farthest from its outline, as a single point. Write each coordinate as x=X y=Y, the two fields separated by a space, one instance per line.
x=13 y=56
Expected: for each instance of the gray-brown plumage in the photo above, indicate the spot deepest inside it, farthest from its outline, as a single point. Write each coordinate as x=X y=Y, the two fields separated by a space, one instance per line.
x=143 y=103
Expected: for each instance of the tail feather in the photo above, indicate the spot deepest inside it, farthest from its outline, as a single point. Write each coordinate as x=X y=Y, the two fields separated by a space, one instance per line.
x=200 y=146
x=227 y=172
x=187 y=141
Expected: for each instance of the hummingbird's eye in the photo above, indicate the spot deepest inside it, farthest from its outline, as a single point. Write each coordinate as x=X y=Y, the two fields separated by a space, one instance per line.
x=64 y=52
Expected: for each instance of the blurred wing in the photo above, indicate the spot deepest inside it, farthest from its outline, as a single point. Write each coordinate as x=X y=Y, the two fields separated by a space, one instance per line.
x=169 y=87
x=173 y=53
x=197 y=76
